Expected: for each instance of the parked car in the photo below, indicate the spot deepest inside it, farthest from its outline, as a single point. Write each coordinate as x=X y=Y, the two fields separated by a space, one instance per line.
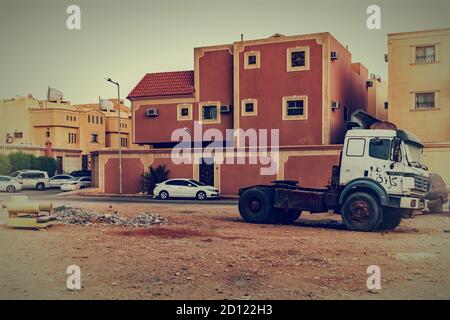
x=437 y=196
x=80 y=173
x=77 y=184
x=58 y=180
x=10 y=184
x=32 y=179
x=184 y=188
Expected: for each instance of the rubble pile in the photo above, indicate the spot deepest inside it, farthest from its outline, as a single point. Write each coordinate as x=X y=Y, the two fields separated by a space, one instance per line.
x=78 y=216
x=145 y=219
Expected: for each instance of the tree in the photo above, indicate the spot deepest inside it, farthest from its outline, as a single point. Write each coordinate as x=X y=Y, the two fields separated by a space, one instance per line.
x=46 y=164
x=154 y=176
x=5 y=165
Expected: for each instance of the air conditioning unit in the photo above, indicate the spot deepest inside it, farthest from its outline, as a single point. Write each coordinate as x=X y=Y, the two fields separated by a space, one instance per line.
x=334 y=55
x=335 y=105
x=153 y=112
x=369 y=84
x=225 y=109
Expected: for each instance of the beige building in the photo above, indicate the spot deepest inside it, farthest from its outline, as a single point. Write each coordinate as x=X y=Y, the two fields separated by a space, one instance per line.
x=419 y=91
x=67 y=132
x=377 y=104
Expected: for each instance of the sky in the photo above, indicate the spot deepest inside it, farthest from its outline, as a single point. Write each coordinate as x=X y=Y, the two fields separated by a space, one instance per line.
x=126 y=39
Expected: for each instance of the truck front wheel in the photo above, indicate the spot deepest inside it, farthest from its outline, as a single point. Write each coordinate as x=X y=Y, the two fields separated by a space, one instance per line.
x=255 y=206
x=361 y=212
x=391 y=218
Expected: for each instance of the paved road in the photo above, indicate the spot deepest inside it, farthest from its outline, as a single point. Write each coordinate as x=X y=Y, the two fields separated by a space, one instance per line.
x=52 y=195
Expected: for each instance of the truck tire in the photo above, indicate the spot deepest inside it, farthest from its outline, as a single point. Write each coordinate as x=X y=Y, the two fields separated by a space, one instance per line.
x=391 y=218
x=287 y=217
x=361 y=212
x=255 y=206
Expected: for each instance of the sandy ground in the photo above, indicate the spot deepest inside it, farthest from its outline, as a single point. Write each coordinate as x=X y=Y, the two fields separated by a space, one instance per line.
x=208 y=252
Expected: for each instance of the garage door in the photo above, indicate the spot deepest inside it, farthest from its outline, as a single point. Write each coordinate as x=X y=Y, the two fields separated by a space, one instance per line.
x=71 y=164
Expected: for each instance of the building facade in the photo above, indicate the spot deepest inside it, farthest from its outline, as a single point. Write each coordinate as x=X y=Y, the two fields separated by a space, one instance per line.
x=58 y=129
x=419 y=91
x=305 y=87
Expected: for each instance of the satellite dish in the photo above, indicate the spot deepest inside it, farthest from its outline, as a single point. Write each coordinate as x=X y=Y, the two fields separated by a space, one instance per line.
x=54 y=94
x=106 y=105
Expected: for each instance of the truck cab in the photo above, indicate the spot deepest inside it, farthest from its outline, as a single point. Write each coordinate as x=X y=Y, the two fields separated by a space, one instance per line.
x=390 y=161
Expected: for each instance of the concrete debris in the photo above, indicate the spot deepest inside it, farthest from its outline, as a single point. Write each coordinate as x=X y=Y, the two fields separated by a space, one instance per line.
x=84 y=217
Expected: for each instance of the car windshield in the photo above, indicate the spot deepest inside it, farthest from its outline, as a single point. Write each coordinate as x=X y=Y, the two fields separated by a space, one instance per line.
x=15 y=174
x=197 y=183
x=414 y=155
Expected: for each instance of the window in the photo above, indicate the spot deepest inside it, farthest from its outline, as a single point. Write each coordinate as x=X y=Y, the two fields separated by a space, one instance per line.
x=89 y=118
x=426 y=54
x=355 y=147
x=72 y=137
x=209 y=112
x=4 y=179
x=386 y=105
x=94 y=138
x=251 y=60
x=124 y=142
x=249 y=107
x=184 y=112
x=47 y=134
x=175 y=183
x=101 y=120
x=295 y=108
x=380 y=148
x=425 y=100
x=96 y=120
x=18 y=135
x=298 y=59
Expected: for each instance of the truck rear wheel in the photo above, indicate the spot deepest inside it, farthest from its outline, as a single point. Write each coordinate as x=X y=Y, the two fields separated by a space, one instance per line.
x=255 y=206
x=391 y=218
x=287 y=217
x=361 y=212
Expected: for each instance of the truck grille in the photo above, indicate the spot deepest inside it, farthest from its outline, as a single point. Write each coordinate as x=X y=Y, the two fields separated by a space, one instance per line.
x=421 y=183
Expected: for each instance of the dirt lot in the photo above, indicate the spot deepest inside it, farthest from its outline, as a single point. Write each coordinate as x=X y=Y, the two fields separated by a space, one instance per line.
x=207 y=252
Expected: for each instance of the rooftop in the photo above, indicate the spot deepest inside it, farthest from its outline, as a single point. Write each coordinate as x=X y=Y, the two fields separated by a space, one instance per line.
x=164 y=84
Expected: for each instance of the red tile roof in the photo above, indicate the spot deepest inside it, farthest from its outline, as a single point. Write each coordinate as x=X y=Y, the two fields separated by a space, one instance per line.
x=164 y=84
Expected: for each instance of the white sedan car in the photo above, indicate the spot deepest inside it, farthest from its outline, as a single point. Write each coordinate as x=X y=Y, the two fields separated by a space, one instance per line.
x=77 y=184
x=58 y=180
x=184 y=188
x=10 y=184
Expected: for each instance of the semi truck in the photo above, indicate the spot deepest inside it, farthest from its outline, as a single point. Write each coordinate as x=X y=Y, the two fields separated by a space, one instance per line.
x=381 y=177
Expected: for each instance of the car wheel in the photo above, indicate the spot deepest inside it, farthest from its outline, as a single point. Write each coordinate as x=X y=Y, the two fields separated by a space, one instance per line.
x=361 y=212
x=164 y=195
x=40 y=186
x=201 y=195
x=10 y=189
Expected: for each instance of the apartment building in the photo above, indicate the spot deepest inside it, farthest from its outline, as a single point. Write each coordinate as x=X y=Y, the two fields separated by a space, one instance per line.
x=419 y=91
x=305 y=86
x=58 y=129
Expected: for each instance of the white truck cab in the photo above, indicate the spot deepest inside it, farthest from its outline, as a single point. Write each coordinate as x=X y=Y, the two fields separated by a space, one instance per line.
x=393 y=159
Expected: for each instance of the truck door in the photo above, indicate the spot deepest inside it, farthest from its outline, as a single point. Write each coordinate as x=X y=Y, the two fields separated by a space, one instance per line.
x=380 y=166
x=353 y=160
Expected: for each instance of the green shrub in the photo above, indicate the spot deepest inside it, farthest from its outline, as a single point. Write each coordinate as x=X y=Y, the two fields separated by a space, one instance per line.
x=21 y=161
x=152 y=177
x=5 y=165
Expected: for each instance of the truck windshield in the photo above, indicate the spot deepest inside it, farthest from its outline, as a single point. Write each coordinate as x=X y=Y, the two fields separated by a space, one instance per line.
x=414 y=155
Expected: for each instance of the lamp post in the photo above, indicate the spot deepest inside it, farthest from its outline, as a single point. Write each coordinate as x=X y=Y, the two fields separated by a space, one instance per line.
x=120 y=133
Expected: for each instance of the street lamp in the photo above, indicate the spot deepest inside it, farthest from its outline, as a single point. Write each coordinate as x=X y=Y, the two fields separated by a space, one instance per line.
x=120 y=132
